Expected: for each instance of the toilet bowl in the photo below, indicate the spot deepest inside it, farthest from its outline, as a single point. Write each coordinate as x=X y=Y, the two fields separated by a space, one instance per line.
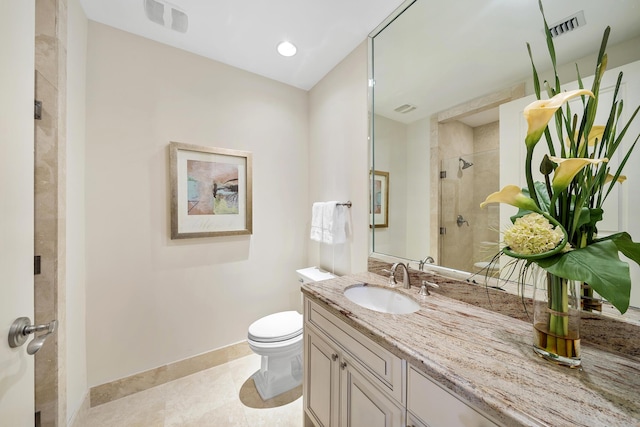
x=277 y=338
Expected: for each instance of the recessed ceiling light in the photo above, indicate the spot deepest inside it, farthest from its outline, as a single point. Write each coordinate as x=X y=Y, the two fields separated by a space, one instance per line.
x=287 y=49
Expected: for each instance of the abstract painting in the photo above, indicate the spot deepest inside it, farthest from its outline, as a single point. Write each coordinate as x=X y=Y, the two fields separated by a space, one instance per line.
x=379 y=199
x=210 y=191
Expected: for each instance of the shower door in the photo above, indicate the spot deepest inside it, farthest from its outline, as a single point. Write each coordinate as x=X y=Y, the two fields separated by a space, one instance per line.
x=469 y=235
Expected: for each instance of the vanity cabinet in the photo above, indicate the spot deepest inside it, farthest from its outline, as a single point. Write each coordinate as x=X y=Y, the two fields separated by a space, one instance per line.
x=350 y=381
x=430 y=405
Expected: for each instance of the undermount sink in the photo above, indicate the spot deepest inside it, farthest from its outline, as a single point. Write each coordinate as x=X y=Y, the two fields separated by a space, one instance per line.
x=379 y=299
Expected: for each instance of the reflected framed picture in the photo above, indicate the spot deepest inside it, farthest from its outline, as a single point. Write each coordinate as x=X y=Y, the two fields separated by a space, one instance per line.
x=379 y=206
x=210 y=191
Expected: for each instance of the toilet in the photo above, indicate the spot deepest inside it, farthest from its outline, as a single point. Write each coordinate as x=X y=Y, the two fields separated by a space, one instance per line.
x=277 y=338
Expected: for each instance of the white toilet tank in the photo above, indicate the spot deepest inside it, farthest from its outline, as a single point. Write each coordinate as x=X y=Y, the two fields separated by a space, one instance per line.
x=313 y=274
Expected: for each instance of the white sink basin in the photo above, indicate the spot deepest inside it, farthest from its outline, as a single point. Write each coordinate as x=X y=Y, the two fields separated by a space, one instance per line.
x=381 y=299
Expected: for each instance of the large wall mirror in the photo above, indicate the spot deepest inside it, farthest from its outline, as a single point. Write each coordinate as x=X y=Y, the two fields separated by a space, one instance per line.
x=445 y=76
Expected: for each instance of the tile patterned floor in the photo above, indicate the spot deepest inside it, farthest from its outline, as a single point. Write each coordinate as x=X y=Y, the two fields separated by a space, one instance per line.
x=223 y=396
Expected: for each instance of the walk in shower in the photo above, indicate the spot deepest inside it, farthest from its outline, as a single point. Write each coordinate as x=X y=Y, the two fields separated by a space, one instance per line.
x=469 y=235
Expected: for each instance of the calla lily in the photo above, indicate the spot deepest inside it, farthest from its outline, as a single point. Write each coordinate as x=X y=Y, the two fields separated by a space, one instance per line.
x=620 y=180
x=567 y=170
x=511 y=195
x=538 y=113
x=596 y=133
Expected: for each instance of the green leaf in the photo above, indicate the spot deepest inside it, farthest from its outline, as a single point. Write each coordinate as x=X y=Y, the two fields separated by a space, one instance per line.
x=628 y=247
x=590 y=217
x=598 y=265
x=543 y=200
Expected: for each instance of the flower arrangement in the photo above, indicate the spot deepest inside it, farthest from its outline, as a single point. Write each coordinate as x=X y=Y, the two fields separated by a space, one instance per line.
x=556 y=225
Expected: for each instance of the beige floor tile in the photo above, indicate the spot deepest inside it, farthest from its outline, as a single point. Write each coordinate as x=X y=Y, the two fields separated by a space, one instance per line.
x=230 y=414
x=222 y=396
x=289 y=415
x=143 y=409
x=191 y=397
x=242 y=369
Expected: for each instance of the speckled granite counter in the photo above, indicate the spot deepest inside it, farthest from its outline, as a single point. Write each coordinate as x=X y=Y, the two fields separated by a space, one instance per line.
x=486 y=358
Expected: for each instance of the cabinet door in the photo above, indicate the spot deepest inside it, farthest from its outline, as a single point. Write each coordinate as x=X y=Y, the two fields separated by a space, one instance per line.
x=363 y=404
x=437 y=407
x=413 y=421
x=321 y=380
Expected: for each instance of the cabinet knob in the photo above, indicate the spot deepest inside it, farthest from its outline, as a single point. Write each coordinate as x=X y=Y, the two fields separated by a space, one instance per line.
x=343 y=365
x=334 y=357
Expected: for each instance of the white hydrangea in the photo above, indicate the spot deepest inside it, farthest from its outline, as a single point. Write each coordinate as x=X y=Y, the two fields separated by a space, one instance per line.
x=532 y=234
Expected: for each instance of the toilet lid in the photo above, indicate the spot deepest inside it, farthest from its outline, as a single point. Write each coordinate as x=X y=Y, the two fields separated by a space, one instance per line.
x=276 y=327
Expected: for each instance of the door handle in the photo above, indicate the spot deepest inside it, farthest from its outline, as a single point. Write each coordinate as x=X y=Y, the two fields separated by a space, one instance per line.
x=22 y=328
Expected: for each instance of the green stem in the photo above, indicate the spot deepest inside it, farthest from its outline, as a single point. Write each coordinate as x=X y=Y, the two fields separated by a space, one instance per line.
x=530 y=185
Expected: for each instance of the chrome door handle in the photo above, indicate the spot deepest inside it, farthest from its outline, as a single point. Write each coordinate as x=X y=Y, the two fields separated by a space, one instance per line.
x=22 y=328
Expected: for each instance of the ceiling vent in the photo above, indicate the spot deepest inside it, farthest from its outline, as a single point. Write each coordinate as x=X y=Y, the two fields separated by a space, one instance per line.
x=405 y=108
x=568 y=24
x=167 y=15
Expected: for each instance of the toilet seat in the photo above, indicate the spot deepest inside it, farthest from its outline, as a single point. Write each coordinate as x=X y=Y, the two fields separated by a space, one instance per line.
x=276 y=328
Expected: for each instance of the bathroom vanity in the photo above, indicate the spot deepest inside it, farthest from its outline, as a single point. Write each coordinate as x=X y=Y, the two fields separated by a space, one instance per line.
x=448 y=364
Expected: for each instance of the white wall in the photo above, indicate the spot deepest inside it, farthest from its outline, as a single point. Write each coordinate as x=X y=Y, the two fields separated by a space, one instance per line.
x=152 y=300
x=338 y=158
x=76 y=351
x=391 y=156
x=418 y=189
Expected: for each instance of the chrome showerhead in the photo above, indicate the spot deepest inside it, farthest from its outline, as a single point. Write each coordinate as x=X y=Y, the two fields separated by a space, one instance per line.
x=465 y=164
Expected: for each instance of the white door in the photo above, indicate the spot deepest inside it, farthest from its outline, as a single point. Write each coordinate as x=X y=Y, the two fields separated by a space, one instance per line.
x=17 y=26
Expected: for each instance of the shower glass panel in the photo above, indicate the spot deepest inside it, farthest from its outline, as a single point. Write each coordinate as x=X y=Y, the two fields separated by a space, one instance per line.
x=470 y=235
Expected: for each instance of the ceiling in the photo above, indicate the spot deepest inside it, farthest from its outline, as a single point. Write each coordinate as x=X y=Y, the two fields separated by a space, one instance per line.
x=245 y=33
x=438 y=55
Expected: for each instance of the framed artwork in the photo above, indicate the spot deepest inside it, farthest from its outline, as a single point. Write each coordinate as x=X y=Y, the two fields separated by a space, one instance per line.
x=379 y=218
x=210 y=191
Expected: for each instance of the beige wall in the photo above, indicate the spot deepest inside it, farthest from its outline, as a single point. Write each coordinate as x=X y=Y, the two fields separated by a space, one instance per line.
x=152 y=300
x=76 y=352
x=391 y=156
x=338 y=158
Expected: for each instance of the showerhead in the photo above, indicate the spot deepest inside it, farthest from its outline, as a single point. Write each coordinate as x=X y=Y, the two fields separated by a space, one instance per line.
x=465 y=164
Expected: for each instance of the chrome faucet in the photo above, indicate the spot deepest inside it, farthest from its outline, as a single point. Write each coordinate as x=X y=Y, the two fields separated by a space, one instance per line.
x=428 y=259
x=405 y=279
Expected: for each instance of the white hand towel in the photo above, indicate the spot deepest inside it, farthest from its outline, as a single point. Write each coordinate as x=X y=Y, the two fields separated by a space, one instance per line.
x=334 y=223
x=316 y=221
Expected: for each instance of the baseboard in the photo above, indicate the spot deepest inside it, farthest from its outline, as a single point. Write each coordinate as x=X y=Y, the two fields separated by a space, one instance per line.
x=154 y=377
x=76 y=419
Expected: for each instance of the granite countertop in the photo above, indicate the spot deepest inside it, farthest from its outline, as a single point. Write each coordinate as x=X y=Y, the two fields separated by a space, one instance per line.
x=486 y=358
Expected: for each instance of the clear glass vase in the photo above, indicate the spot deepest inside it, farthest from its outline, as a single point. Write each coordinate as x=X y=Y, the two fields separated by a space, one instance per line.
x=556 y=318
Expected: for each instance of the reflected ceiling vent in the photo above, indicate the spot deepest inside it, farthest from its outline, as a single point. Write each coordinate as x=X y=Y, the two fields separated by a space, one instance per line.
x=166 y=14
x=568 y=24
x=405 y=108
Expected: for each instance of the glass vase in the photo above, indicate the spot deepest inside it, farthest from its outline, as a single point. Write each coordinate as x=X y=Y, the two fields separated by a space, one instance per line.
x=556 y=318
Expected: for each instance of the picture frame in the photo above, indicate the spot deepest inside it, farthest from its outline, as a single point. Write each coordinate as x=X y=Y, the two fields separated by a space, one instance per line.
x=379 y=196
x=211 y=191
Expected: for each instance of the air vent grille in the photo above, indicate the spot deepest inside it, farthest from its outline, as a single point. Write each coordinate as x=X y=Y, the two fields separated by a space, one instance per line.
x=405 y=108
x=166 y=14
x=568 y=24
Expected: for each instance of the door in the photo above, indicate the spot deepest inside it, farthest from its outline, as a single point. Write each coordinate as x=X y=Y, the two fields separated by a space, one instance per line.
x=17 y=29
